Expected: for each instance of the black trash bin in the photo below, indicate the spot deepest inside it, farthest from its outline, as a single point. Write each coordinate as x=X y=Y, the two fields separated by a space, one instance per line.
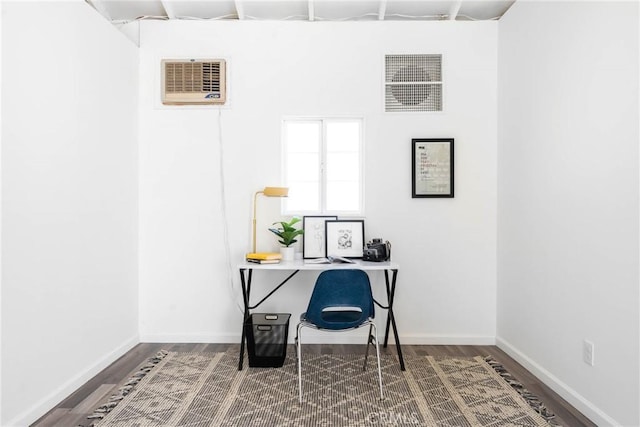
x=267 y=339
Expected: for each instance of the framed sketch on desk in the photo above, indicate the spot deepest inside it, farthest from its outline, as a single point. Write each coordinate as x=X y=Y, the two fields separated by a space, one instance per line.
x=345 y=238
x=432 y=167
x=314 y=244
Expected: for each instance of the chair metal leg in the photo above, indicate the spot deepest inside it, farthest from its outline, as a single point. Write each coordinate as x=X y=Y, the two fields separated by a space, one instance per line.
x=366 y=352
x=299 y=357
x=378 y=357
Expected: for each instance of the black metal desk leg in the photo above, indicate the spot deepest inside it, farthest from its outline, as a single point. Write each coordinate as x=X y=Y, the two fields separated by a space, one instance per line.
x=246 y=288
x=391 y=319
x=389 y=301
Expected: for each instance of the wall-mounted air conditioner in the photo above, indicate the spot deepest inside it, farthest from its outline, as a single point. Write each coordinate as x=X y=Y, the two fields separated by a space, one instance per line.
x=193 y=81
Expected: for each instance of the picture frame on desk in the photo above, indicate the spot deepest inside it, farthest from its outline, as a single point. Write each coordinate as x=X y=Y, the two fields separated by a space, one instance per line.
x=345 y=238
x=432 y=167
x=314 y=243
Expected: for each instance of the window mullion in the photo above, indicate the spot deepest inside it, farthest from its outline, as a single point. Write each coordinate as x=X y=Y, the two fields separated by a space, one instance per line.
x=323 y=167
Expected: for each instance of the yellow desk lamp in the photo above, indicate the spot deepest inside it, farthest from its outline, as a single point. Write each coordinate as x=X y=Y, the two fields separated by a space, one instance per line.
x=267 y=192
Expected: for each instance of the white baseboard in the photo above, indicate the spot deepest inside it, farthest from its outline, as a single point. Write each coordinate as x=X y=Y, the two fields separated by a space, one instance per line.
x=191 y=338
x=587 y=408
x=431 y=339
x=315 y=337
x=44 y=405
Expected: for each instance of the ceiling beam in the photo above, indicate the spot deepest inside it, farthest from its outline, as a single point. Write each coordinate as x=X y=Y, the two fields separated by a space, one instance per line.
x=382 y=10
x=312 y=10
x=99 y=5
x=168 y=10
x=454 y=9
x=239 y=9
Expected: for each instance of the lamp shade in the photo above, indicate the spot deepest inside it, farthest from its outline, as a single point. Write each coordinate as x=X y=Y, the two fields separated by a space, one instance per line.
x=275 y=191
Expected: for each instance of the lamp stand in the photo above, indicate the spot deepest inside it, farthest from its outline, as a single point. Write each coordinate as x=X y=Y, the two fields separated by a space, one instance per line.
x=253 y=234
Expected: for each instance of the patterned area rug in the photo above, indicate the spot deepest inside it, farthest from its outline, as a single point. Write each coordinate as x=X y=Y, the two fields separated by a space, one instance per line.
x=206 y=389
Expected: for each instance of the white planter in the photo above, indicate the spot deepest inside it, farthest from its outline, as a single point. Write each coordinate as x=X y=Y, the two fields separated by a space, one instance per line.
x=288 y=254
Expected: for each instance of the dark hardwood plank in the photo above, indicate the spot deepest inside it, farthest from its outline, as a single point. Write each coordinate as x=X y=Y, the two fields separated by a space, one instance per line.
x=73 y=410
x=54 y=418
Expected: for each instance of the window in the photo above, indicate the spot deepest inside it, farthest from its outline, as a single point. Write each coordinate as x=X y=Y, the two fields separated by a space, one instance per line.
x=323 y=166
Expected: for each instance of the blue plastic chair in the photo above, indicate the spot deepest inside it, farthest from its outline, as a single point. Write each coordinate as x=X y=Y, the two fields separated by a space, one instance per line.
x=341 y=300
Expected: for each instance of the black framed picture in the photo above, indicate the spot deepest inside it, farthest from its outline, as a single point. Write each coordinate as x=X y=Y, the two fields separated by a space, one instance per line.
x=314 y=244
x=432 y=167
x=345 y=238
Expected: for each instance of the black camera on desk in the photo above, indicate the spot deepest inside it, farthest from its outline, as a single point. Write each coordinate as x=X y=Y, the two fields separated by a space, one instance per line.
x=377 y=251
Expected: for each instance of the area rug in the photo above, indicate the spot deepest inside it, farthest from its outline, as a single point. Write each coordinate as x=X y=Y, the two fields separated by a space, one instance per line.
x=206 y=389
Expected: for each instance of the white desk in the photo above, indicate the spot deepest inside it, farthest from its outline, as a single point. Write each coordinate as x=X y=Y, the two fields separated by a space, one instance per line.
x=246 y=273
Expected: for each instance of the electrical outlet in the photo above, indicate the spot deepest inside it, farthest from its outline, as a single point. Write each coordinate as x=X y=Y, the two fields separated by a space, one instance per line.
x=588 y=352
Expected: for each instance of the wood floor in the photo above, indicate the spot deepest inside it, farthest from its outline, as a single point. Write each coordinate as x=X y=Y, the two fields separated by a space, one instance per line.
x=73 y=410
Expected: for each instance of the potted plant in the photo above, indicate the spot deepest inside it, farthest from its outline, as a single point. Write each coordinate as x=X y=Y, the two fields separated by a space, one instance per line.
x=287 y=234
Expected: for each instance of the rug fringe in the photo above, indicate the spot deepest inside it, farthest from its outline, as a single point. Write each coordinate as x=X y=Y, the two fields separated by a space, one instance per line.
x=126 y=388
x=529 y=397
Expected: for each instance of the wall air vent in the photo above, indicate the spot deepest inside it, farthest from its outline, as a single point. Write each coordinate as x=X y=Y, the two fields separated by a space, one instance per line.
x=413 y=83
x=193 y=81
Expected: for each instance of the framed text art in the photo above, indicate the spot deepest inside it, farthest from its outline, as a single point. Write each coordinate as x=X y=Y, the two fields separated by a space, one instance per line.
x=314 y=244
x=432 y=167
x=345 y=238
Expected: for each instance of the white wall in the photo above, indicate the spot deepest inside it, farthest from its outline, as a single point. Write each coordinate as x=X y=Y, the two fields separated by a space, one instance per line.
x=568 y=207
x=1 y=12
x=446 y=248
x=69 y=207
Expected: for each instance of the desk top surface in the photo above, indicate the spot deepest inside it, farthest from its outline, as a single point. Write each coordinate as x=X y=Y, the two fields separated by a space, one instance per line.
x=301 y=265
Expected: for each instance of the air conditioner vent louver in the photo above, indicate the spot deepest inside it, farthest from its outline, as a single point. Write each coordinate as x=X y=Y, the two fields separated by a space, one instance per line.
x=413 y=83
x=193 y=82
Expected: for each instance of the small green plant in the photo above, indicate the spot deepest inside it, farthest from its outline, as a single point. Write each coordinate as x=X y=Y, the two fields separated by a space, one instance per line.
x=287 y=233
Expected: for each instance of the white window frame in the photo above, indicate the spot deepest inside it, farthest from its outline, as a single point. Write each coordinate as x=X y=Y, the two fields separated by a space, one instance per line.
x=322 y=179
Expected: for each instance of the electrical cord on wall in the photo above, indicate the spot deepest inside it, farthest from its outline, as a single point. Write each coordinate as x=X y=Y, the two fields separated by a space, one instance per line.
x=223 y=210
